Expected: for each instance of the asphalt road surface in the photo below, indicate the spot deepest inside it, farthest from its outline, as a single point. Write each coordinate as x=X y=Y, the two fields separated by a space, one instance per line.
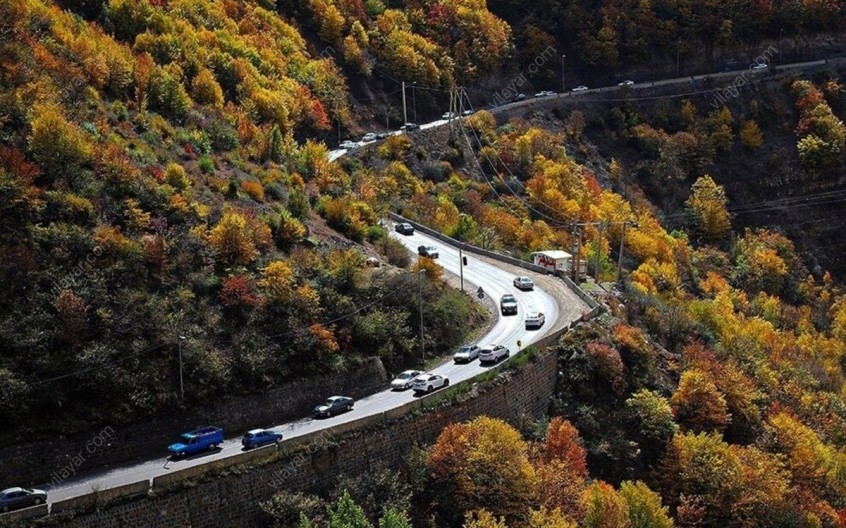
x=507 y=331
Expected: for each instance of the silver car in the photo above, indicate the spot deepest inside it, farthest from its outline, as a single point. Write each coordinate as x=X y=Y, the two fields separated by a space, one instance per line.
x=405 y=379
x=524 y=283
x=466 y=354
x=14 y=498
x=493 y=353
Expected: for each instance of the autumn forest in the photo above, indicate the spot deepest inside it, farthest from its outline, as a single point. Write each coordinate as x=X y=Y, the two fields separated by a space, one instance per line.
x=165 y=172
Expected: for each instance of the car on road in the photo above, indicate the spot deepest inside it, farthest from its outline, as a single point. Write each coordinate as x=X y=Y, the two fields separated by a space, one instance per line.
x=468 y=112
x=333 y=405
x=760 y=66
x=545 y=93
x=428 y=251
x=579 y=89
x=14 y=498
x=193 y=442
x=405 y=379
x=348 y=144
x=404 y=228
x=260 y=437
x=535 y=320
x=626 y=83
x=466 y=354
x=382 y=135
x=408 y=127
x=448 y=115
x=370 y=136
x=427 y=382
x=508 y=304
x=493 y=353
x=518 y=97
x=524 y=283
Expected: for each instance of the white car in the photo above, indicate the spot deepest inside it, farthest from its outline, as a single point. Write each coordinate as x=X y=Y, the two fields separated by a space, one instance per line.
x=535 y=320
x=347 y=144
x=626 y=83
x=468 y=112
x=428 y=382
x=524 y=283
x=405 y=380
x=493 y=353
x=466 y=354
x=448 y=115
x=760 y=66
x=545 y=93
x=579 y=89
x=370 y=136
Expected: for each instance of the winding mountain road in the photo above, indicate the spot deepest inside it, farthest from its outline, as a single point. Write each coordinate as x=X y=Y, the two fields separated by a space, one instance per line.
x=507 y=330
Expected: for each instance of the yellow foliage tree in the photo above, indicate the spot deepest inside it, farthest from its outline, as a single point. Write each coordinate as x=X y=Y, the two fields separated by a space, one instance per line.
x=236 y=240
x=205 y=90
x=751 y=135
x=277 y=281
x=57 y=146
x=707 y=206
x=483 y=464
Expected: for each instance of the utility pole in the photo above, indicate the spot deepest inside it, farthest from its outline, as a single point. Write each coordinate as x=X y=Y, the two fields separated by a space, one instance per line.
x=338 y=116
x=576 y=251
x=404 y=109
x=414 y=99
x=181 y=384
x=678 y=56
x=563 y=85
x=420 y=297
x=620 y=255
x=598 y=252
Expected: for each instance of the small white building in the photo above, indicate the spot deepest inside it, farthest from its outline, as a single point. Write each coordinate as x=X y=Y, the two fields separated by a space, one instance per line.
x=557 y=261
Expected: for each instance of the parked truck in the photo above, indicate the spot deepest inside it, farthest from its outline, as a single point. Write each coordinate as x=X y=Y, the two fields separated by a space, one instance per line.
x=196 y=441
x=558 y=262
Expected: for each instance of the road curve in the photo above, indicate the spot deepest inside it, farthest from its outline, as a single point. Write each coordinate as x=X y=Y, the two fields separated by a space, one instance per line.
x=507 y=331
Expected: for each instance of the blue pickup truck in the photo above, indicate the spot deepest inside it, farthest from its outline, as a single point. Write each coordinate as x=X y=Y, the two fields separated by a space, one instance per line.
x=196 y=441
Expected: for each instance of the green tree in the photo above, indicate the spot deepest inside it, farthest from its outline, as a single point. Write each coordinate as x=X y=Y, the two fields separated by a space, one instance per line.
x=654 y=416
x=644 y=505
x=707 y=206
x=394 y=518
x=348 y=514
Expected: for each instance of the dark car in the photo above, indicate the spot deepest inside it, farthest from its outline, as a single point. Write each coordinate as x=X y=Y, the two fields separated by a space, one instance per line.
x=333 y=405
x=508 y=304
x=381 y=135
x=428 y=251
x=260 y=437
x=518 y=97
x=408 y=127
x=404 y=229
x=14 y=498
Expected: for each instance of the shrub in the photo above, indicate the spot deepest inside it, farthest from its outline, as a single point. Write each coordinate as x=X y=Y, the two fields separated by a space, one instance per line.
x=206 y=165
x=396 y=253
x=176 y=177
x=253 y=189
